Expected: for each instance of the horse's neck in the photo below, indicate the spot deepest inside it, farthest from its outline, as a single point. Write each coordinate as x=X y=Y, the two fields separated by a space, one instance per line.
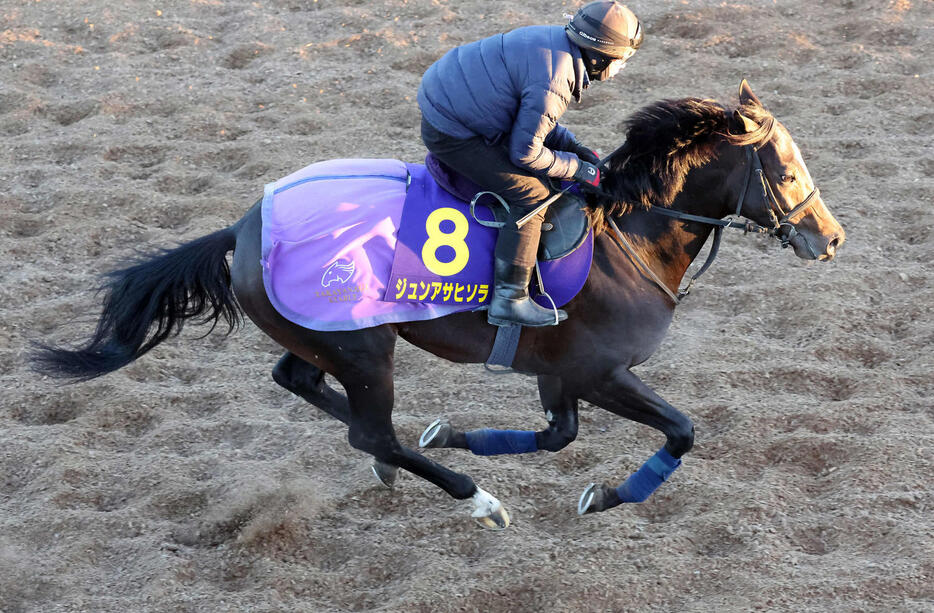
x=668 y=245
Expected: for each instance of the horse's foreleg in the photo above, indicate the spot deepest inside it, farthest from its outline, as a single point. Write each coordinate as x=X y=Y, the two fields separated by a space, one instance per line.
x=623 y=393
x=561 y=412
x=371 y=431
x=560 y=409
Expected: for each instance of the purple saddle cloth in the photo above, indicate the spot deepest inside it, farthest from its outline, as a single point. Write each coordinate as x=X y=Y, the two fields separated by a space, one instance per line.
x=350 y=244
x=452 y=182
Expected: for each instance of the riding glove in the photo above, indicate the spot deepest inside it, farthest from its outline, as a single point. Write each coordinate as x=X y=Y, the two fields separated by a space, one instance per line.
x=584 y=153
x=587 y=174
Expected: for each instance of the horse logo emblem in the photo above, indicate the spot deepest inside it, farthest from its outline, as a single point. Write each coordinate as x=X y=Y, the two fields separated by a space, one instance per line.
x=339 y=272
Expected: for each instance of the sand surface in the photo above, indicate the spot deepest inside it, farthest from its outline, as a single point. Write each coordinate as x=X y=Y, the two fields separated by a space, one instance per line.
x=190 y=482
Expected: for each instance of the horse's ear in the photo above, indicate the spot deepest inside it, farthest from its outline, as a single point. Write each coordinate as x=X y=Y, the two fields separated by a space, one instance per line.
x=746 y=96
x=744 y=122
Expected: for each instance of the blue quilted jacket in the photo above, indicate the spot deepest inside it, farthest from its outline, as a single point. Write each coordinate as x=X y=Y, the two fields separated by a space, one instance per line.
x=514 y=86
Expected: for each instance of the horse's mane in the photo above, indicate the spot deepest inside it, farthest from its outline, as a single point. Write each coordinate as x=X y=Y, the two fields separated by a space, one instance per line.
x=664 y=141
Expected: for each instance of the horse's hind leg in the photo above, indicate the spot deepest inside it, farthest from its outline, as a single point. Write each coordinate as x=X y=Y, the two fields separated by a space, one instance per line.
x=370 y=394
x=560 y=410
x=307 y=381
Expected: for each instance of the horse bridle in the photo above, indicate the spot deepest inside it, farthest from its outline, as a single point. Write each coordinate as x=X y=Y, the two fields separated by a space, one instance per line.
x=782 y=228
x=773 y=205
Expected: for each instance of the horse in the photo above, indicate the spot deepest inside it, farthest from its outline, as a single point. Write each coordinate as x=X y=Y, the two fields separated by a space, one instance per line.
x=693 y=159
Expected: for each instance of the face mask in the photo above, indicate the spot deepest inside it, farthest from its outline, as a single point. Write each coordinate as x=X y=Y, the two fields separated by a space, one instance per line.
x=601 y=68
x=611 y=70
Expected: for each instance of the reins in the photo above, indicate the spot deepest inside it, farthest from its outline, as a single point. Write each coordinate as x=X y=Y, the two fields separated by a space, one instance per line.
x=640 y=263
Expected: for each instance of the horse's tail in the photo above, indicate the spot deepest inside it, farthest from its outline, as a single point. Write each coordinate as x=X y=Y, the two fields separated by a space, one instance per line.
x=149 y=301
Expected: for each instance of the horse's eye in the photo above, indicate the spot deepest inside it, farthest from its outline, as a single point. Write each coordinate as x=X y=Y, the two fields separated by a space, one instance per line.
x=788 y=178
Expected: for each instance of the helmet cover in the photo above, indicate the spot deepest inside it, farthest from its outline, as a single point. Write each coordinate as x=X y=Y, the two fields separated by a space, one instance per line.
x=604 y=27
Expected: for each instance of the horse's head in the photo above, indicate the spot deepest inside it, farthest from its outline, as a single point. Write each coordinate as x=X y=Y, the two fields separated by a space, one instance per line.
x=779 y=189
x=670 y=139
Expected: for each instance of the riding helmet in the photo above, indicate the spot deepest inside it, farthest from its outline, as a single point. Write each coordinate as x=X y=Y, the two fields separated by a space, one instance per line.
x=605 y=31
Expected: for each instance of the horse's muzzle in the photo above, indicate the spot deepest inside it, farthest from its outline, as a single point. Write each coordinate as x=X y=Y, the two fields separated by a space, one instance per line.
x=817 y=235
x=815 y=246
x=832 y=246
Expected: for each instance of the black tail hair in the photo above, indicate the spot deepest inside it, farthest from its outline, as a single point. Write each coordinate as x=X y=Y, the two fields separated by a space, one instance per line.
x=146 y=303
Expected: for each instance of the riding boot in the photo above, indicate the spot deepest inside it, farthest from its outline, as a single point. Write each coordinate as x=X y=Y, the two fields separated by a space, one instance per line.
x=515 y=257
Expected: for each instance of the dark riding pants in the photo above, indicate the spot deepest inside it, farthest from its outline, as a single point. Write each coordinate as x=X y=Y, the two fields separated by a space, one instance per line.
x=489 y=167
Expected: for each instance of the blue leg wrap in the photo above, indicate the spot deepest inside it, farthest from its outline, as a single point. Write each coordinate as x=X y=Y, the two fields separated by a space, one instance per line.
x=650 y=475
x=496 y=442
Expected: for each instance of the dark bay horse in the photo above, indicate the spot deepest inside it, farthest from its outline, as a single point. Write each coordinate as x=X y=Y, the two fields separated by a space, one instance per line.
x=692 y=156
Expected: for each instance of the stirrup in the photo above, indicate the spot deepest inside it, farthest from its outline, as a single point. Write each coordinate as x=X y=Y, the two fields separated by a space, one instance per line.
x=559 y=314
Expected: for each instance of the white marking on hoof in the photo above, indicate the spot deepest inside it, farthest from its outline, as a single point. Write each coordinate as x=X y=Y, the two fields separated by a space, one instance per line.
x=586 y=499
x=430 y=433
x=488 y=512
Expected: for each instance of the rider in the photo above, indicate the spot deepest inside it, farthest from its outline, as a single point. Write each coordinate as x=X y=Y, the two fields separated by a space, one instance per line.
x=490 y=111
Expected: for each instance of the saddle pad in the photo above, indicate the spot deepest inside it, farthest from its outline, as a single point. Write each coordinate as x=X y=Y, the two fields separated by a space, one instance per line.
x=331 y=232
x=565 y=229
x=444 y=256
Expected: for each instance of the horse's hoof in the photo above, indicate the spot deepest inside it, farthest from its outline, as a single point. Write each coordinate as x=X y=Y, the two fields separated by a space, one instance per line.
x=597 y=498
x=497 y=520
x=386 y=473
x=488 y=512
x=437 y=434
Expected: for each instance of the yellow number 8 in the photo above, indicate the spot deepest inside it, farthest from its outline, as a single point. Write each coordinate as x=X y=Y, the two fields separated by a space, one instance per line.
x=454 y=240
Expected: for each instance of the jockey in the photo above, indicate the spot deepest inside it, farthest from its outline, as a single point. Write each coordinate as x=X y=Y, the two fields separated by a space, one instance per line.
x=490 y=111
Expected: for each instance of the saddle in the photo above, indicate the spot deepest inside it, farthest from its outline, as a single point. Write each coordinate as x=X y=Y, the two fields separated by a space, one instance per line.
x=566 y=224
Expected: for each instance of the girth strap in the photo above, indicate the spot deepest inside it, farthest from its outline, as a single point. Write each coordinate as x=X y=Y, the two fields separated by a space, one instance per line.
x=504 y=348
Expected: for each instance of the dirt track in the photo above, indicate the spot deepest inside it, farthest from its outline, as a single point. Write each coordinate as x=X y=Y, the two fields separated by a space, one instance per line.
x=190 y=481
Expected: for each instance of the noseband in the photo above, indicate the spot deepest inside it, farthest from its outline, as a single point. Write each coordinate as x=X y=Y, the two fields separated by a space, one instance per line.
x=783 y=227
